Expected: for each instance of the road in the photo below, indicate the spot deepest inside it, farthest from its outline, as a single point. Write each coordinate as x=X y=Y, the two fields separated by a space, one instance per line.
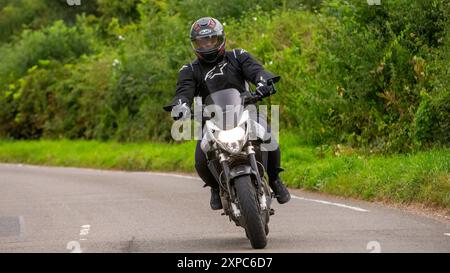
x=45 y=209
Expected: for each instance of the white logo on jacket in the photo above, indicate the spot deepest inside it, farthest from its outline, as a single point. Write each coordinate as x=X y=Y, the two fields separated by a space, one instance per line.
x=210 y=75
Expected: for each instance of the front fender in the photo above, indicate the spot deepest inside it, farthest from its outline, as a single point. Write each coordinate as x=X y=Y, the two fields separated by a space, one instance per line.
x=240 y=171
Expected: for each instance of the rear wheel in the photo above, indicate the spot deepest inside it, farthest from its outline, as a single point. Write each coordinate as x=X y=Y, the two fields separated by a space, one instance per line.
x=250 y=212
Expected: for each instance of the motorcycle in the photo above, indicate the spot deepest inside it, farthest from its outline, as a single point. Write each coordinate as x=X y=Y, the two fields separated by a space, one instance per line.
x=232 y=144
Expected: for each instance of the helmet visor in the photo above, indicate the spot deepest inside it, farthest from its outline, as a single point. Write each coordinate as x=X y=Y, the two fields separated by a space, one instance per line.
x=207 y=43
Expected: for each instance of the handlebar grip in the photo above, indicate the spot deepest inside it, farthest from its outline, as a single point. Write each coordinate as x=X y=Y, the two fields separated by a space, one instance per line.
x=168 y=108
x=253 y=99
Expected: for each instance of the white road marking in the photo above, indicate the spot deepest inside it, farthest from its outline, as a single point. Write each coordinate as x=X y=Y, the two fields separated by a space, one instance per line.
x=84 y=230
x=330 y=203
x=75 y=246
x=171 y=175
x=102 y=170
x=447 y=234
x=293 y=196
x=21 y=226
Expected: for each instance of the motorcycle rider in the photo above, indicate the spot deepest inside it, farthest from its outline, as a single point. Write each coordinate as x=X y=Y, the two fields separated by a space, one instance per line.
x=216 y=69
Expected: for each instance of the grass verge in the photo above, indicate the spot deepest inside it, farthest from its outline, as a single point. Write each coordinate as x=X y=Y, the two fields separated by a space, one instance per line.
x=422 y=177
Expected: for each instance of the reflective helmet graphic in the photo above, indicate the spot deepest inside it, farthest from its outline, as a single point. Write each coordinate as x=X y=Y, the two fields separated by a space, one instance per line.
x=208 y=39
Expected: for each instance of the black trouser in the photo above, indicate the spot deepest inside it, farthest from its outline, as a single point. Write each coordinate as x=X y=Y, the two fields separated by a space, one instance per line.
x=201 y=165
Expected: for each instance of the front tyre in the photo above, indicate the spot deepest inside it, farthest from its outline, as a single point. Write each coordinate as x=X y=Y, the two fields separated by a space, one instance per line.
x=250 y=212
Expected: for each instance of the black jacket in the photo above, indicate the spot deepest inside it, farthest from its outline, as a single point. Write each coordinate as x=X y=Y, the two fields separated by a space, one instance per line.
x=232 y=71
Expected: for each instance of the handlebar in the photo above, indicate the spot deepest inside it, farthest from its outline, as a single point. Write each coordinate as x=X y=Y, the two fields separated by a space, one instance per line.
x=254 y=98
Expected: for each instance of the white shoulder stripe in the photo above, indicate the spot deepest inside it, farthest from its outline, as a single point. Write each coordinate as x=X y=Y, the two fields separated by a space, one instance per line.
x=184 y=66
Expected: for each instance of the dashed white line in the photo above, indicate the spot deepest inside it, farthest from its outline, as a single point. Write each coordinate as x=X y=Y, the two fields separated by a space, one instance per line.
x=75 y=246
x=330 y=203
x=84 y=230
x=447 y=234
x=21 y=226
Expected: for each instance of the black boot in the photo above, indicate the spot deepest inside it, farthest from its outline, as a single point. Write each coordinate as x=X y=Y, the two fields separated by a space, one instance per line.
x=273 y=170
x=275 y=182
x=281 y=192
x=215 y=202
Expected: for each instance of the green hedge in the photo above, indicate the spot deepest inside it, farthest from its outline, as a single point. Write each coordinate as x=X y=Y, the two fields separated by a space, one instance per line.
x=368 y=76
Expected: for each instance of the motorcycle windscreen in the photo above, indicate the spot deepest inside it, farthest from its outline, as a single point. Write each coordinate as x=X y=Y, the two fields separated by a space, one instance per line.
x=225 y=107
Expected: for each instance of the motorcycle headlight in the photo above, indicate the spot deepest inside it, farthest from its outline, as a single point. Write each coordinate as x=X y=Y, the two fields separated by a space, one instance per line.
x=232 y=140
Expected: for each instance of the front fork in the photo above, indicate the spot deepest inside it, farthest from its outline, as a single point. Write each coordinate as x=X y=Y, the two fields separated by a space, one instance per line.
x=262 y=197
x=254 y=164
x=223 y=159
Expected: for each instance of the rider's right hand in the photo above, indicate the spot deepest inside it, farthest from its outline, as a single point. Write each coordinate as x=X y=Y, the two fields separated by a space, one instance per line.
x=181 y=111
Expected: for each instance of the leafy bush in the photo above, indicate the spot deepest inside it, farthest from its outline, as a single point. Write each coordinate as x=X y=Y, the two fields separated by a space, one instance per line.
x=17 y=15
x=369 y=76
x=378 y=58
x=57 y=42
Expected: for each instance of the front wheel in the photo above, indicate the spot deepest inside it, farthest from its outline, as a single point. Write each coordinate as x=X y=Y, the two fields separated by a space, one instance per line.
x=250 y=211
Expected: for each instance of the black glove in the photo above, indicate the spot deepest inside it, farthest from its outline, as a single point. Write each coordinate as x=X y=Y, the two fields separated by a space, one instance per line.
x=264 y=90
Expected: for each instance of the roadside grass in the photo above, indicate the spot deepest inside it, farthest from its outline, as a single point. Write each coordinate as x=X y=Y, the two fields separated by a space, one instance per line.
x=422 y=177
x=102 y=155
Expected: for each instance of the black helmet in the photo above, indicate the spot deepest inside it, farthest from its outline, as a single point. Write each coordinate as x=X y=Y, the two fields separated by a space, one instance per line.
x=208 y=39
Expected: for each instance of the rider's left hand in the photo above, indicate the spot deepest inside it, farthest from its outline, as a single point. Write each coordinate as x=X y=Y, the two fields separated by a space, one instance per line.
x=264 y=90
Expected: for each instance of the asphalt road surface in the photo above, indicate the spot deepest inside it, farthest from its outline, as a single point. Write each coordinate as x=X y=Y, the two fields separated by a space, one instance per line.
x=45 y=209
